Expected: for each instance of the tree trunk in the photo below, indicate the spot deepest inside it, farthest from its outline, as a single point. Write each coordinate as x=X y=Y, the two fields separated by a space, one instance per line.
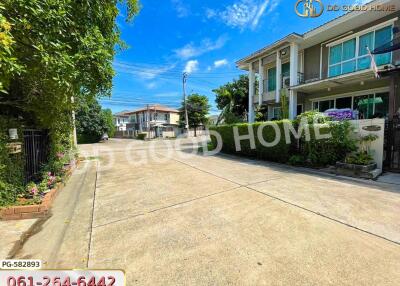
x=195 y=133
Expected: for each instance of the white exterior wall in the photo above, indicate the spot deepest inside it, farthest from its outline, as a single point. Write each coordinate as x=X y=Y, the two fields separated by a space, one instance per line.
x=120 y=122
x=376 y=147
x=173 y=118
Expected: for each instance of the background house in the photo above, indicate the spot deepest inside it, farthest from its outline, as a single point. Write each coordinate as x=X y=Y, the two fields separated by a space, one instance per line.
x=156 y=120
x=121 y=119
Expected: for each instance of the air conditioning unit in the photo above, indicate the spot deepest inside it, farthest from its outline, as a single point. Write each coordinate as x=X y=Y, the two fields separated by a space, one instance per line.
x=286 y=82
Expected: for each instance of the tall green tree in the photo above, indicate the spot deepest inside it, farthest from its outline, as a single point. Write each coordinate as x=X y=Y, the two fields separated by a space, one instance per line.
x=232 y=99
x=109 y=121
x=198 y=109
x=92 y=122
x=56 y=50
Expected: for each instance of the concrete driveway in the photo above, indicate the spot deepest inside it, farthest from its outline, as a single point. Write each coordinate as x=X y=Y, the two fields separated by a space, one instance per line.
x=170 y=218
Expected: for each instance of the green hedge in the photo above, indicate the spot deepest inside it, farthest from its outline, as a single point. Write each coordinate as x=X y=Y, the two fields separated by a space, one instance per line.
x=278 y=153
x=88 y=138
x=312 y=152
x=141 y=136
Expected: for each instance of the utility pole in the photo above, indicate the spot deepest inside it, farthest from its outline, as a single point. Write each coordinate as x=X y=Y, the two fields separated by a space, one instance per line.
x=184 y=78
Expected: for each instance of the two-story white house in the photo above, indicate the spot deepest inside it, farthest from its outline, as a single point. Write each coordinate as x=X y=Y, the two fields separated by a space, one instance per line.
x=330 y=67
x=157 y=120
x=120 y=120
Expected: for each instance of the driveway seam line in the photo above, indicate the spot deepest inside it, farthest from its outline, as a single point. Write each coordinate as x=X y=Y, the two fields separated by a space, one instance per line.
x=322 y=215
x=295 y=205
x=195 y=199
x=167 y=207
x=226 y=179
x=92 y=216
x=119 y=220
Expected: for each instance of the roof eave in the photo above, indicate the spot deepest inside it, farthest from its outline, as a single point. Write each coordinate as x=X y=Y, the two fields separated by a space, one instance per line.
x=294 y=37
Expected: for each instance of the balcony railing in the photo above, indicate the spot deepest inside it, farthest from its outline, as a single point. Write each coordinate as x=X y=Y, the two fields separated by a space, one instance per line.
x=300 y=78
x=285 y=77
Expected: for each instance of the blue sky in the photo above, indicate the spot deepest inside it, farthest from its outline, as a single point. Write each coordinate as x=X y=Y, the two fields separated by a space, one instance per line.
x=204 y=38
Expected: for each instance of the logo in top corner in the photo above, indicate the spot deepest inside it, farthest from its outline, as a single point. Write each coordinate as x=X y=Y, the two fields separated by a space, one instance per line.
x=309 y=8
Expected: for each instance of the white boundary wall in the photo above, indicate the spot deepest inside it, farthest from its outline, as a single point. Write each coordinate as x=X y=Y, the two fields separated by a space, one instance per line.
x=376 y=147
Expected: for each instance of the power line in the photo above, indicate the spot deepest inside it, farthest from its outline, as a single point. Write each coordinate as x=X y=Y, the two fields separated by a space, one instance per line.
x=165 y=70
x=184 y=78
x=153 y=69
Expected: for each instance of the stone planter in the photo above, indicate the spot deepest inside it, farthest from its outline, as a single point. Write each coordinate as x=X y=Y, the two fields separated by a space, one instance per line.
x=369 y=171
x=361 y=168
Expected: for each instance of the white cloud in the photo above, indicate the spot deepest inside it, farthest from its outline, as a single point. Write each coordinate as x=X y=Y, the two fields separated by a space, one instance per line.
x=151 y=85
x=206 y=45
x=142 y=71
x=191 y=66
x=220 y=63
x=182 y=10
x=244 y=13
x=211 y=13
x=167 y=94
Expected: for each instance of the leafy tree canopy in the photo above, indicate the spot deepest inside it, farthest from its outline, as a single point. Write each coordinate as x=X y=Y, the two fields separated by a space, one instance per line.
x=92 y=122
x=198 y=109
x=53 y=50
x=232 y=98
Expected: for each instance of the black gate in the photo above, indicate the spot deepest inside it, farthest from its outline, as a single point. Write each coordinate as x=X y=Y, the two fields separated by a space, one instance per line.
x=36 y=151
x=392 y=146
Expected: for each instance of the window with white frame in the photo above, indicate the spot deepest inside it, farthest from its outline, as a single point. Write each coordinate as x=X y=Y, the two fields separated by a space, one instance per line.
x=352 y=55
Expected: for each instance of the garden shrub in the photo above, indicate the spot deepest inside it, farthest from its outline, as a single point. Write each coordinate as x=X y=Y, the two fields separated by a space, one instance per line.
x=11 y=166
x=322 y=152
x=278 y=153
x=314 y=152
x=141 y=136
x=296 y=160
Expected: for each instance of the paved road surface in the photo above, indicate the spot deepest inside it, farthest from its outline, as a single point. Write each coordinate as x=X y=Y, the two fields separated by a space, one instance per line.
x=168 y=218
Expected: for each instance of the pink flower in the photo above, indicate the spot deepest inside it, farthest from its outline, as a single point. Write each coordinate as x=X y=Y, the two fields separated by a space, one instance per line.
x=51 y=181
x=34 y=191
x=60 y=155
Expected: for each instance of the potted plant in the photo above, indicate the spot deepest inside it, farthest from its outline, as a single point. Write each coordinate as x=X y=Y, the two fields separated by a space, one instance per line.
x=361 y=162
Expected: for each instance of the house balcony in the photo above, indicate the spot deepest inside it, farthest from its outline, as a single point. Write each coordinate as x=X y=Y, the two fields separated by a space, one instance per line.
x=267 y=97
x=342 y=81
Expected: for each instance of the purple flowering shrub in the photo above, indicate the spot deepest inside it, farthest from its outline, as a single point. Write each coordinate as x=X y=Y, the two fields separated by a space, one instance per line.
x=340 y=114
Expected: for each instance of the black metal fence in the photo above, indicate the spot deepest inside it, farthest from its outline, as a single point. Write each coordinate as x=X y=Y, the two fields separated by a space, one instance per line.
x=392 y=146
x=36 y=152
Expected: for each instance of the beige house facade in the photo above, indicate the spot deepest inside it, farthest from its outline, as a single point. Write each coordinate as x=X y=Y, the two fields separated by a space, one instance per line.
x=157 y=120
